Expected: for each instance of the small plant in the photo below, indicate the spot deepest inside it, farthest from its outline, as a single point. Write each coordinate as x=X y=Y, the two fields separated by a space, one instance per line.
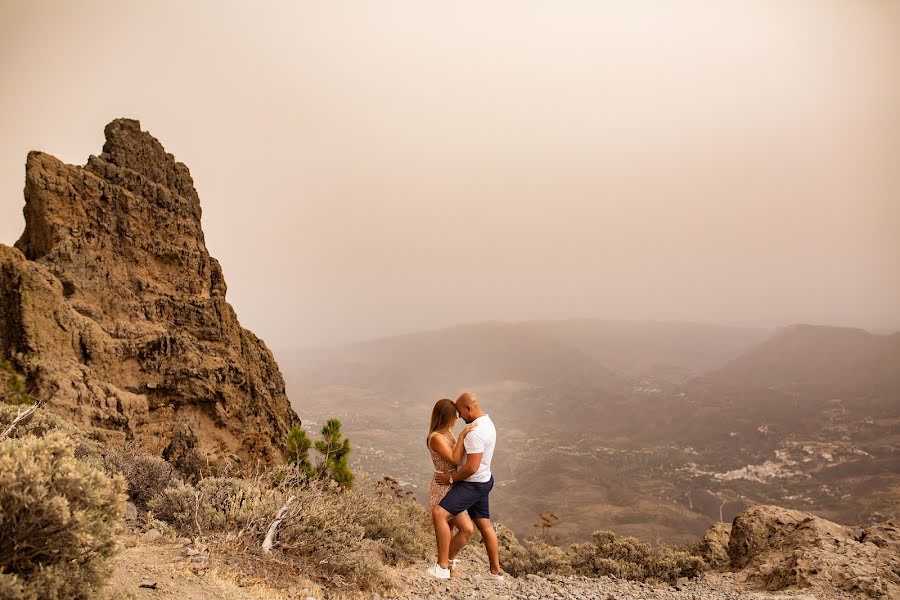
x=545 y=524
x=59 y=518
x=534 y=556
x=145 y=475
x=14 y=392
x=334 y=449
x=297 y=450
x=391 y=487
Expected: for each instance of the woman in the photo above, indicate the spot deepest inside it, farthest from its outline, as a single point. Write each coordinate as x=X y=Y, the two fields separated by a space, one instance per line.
x=446 y=453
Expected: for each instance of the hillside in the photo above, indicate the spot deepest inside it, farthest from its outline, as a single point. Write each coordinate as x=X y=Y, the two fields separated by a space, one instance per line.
x=818 y=362
x=669 y=352
x=635 y=436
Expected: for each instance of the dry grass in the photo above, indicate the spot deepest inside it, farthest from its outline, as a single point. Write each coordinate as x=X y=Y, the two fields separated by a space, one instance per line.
x=341 y=537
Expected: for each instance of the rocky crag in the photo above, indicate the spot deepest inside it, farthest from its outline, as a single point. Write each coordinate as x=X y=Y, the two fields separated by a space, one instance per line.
x=774 y=548
x=114 y=311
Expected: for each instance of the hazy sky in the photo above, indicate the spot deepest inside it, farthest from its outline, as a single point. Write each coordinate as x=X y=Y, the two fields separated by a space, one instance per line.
x=381 y=167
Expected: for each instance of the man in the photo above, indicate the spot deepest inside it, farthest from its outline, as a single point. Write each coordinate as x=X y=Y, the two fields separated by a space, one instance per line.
x=472 y=484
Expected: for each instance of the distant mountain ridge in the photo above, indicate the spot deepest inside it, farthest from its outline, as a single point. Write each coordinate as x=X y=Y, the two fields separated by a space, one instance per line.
x=541 y=352
x=834 y=359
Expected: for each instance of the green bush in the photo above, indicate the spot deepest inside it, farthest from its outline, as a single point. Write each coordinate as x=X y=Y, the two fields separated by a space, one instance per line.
x=334 y=449
x=12 y=386
x=297 y=450
x=59 y=518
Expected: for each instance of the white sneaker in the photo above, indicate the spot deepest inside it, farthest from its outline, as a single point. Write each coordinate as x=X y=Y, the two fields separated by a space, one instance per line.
x=496 y=576
x=438 y=571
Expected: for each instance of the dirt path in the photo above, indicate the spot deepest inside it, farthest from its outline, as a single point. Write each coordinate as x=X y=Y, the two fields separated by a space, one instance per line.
x=163 y=569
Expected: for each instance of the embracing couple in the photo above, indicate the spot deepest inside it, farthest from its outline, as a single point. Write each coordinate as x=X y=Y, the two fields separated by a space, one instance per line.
x=462 y=481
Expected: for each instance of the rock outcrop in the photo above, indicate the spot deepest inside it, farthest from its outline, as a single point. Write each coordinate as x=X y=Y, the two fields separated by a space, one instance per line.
x=115 y=312
x=714 y=545
x=778 y=548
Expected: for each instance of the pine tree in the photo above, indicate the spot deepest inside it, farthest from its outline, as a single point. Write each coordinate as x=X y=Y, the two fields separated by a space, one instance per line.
x=297 y=450
x=334 y=449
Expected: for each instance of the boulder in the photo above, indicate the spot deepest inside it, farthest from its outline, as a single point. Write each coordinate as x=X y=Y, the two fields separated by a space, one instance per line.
x=714 y=545
x=778 y=548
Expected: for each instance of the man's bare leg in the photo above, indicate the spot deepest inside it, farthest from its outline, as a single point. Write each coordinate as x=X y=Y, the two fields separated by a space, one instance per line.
x=465 y=530
x=490 y=543
x=440 y=518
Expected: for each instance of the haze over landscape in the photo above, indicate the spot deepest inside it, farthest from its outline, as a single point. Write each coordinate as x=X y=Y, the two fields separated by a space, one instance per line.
x=369 y=170
x=659 y=240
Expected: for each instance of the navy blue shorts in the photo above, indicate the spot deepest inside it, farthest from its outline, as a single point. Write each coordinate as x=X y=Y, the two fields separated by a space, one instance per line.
x=470 y=496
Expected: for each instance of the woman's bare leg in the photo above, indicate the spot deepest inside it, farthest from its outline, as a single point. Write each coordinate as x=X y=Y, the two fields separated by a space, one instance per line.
x=465 y=529
x=440 y=517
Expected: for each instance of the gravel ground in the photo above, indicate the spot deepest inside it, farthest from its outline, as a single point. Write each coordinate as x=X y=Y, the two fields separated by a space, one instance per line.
x=532 y=587
x=710 y=586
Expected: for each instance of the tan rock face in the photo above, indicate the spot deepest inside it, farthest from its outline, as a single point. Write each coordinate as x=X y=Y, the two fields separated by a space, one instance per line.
x=116 y=312
x=780 y=548
x=714 y=545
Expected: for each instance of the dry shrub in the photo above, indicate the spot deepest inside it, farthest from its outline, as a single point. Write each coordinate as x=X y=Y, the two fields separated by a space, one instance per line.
x=345 y=537
x=183 y=453
x=43 y=422
x=177 y=505
x=146 y=476
x=59 y=517
x=533 y=556
x=607 y=554
x=629 y=558
x=395 y=519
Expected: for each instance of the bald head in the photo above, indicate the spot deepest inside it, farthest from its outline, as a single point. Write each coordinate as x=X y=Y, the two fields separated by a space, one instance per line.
x=467 y=399
x=468 y=408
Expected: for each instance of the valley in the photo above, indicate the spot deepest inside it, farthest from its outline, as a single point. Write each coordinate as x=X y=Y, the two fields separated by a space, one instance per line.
x=623 y=448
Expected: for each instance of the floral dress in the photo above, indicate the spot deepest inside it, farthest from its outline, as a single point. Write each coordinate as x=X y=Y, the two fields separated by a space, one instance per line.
x=437 y=491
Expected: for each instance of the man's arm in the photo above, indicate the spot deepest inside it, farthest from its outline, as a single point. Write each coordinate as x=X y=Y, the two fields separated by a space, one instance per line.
x=473 y=461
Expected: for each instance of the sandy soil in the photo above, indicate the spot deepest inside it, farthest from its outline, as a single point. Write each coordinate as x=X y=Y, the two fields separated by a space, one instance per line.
x=164 y=563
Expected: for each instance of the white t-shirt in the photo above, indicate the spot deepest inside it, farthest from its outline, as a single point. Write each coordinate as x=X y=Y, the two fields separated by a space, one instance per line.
x=482 y=440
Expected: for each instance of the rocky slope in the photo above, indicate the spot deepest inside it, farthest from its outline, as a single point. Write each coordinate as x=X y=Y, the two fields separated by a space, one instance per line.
x=768 y=553
x=115 y=312
x=777 y=548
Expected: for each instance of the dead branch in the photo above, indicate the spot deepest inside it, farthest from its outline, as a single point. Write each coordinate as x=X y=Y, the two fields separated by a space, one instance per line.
x=198 y=497
x=270 y=535
x=21 y=416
